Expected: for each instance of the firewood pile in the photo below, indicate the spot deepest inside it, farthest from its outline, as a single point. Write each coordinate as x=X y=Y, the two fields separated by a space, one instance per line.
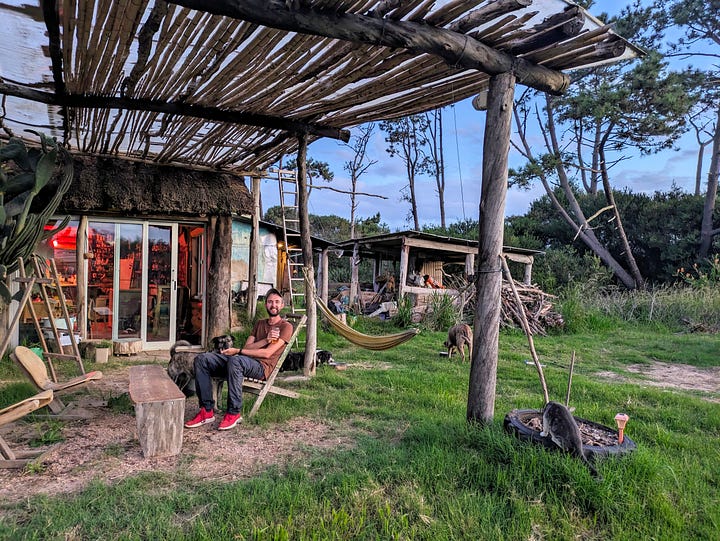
x=537 y=305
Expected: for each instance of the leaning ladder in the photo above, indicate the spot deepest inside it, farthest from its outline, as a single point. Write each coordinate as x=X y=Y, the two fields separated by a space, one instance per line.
x=294 y=263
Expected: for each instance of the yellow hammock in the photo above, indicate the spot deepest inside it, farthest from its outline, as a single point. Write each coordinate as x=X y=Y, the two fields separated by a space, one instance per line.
x=376 y=343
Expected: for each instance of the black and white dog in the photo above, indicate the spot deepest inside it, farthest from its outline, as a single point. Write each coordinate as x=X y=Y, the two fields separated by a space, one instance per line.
x=181 y=367
x=295 y=360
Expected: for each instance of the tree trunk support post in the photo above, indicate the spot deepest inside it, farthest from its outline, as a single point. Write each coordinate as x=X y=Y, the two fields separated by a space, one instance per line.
x=324 y=278
x=483 y=370
x=355 y=279
x=404 y=262
x=218 y=282
x=254 y=247
x=307 y=251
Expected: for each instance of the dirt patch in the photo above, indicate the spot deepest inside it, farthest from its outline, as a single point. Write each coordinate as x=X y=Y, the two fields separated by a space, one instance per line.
x=672 y=376
x=105 y=447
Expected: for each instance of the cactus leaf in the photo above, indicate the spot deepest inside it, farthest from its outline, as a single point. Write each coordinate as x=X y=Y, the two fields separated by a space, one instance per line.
x=17 y=204
x=16 y=151
x=45 y=169
x=22 y=182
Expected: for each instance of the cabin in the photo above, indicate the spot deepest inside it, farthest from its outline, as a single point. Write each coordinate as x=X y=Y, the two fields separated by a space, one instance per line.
x=421 y=264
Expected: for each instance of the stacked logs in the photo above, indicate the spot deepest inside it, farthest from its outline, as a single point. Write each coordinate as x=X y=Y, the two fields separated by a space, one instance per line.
x=537 y=305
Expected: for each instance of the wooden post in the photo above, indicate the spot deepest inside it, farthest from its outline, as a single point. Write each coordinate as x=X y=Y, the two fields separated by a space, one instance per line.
x=218 y=282
x=324 y=275
x=527 y=276
x=469 y=264
x=496 y=145
x=404 y=260
x=354 y=279
x=254 y=242
x=307 y=249
x=81 y=247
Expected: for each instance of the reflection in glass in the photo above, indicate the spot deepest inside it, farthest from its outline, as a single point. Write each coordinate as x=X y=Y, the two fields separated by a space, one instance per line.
x=101 y=248
x=130 y=281
x=159 y=283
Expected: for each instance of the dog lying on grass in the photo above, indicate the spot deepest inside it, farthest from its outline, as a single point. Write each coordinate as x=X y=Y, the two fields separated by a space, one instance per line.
x=295 y=360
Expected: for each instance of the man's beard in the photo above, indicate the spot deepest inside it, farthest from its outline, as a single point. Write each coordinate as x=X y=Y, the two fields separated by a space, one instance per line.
x=273 y=311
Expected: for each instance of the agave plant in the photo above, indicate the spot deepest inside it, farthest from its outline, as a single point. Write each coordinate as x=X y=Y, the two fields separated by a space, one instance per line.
x=24 y=172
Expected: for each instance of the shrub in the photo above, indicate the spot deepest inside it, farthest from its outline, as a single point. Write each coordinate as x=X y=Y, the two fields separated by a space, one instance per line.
x=442 y=313
x=403 y=318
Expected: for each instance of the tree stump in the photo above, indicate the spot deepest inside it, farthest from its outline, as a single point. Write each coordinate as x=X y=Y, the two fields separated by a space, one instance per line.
x=128 y=346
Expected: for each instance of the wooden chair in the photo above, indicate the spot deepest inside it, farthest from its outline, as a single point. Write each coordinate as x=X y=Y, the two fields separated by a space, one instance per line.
x=18 y=459
x=263 y=387
x=34 y=368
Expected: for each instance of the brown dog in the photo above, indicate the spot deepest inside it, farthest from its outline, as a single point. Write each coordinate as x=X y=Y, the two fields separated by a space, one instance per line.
x=459 y=336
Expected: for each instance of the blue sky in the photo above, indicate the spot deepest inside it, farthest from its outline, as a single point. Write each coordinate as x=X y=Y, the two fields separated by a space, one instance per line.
x=463 y=137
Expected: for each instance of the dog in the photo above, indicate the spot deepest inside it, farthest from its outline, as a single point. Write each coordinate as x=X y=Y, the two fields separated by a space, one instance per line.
x=181 y=367
x=295 y=360
x=459 y=336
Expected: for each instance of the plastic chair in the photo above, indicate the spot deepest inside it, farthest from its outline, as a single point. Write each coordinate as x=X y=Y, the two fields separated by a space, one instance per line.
x=18 y=459
x=34 y=368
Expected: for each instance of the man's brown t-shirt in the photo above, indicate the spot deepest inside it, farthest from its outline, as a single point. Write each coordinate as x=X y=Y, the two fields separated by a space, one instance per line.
x=262 y=330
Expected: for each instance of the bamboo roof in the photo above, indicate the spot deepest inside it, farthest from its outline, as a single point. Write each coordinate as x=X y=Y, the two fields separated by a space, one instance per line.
x=159 y=82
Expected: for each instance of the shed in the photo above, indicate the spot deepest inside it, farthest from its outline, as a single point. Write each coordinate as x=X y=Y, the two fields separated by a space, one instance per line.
x=417 y=254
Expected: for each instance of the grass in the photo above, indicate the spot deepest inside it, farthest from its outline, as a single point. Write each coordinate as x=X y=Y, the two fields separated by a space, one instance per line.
x=419 y=470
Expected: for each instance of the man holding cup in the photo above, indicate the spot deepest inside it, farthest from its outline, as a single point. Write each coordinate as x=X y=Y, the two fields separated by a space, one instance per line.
x=256 y=359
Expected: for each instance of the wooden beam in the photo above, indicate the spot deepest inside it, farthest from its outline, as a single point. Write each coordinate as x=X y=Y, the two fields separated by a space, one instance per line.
x=520 y=258
x=458 y=50
x=485 y=13
x=443 y=246
x=215 y=114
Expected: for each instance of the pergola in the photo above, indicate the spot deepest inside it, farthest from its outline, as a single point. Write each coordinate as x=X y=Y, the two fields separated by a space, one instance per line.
x=233 y=84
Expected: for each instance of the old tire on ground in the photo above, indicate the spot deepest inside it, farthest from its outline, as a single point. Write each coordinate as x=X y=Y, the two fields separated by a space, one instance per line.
x=514 y=425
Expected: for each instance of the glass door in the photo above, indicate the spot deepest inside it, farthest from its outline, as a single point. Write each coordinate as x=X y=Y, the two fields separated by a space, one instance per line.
x=128 y=297
x=161 y=279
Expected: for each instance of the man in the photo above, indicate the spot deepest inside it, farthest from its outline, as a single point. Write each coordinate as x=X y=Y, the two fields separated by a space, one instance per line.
x=257 y=360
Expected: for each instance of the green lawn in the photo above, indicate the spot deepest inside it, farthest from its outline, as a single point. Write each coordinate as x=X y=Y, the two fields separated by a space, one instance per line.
x=419 y=470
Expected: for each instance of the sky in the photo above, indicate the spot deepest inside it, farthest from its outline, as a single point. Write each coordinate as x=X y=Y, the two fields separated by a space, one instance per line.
x=463 y=132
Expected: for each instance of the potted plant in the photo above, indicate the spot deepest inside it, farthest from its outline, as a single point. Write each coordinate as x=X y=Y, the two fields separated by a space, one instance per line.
x=102 y=351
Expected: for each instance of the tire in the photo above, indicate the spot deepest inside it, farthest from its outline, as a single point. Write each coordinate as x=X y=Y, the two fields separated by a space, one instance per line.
x=514 y=425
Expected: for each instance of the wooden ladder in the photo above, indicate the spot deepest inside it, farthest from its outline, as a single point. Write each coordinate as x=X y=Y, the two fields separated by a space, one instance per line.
x=287 y=180
x=53 y=282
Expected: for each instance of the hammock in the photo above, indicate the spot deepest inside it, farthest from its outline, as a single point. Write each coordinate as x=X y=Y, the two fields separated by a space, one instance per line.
x=366 y=341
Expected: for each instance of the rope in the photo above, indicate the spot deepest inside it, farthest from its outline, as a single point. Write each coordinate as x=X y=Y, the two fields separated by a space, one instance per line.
x=457 y=153
x=366 y=341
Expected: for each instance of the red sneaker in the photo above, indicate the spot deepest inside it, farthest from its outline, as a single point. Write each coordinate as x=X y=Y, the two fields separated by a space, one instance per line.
x=229 y=421
x=205 y=416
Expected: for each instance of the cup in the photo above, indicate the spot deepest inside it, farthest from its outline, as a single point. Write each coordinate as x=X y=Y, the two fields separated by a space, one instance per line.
x=273 y=331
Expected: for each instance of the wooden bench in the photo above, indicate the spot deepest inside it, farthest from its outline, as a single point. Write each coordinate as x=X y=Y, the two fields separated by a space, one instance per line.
x=159 y=410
